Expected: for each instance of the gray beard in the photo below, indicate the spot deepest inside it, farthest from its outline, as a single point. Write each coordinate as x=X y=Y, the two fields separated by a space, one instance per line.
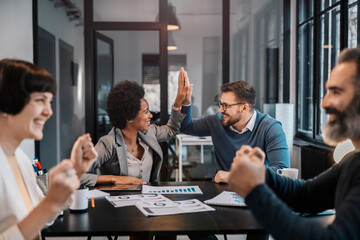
x=346 y=125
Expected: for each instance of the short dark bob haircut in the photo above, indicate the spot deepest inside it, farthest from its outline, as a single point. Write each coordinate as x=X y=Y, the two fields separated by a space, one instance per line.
x=243 y=91
x=123 y=102
x=18 y=79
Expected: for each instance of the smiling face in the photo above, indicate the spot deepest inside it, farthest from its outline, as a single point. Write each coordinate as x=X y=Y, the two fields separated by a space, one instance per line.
x=342 y=104
x=142 y=120
x=232 y=115
x=29 y=123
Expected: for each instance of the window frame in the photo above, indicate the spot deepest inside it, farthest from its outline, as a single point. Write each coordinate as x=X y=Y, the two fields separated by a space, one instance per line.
x=314 y=135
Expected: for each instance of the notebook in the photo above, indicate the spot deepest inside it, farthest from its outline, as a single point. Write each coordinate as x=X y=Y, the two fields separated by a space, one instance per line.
x=227 y=198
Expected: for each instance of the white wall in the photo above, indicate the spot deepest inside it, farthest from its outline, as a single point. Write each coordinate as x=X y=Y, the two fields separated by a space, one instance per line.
x=16 y=41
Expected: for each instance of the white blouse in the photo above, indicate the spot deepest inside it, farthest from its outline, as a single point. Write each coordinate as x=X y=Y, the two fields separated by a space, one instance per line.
x=12 y=205
x=140 y=168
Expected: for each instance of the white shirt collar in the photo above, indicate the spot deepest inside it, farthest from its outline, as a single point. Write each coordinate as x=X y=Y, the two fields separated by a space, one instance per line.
x=250 y=126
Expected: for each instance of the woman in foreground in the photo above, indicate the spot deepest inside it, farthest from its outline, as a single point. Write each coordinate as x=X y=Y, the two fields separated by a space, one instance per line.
x=26 y=92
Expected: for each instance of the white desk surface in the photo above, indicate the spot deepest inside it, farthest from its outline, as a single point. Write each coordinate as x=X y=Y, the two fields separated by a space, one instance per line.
x=193 y=140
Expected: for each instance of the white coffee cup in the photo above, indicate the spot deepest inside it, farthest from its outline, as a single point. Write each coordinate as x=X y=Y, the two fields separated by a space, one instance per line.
x=288 y=172
x=80 y=200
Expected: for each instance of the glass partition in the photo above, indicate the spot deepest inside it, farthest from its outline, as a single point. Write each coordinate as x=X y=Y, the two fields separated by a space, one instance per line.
x=61 y=52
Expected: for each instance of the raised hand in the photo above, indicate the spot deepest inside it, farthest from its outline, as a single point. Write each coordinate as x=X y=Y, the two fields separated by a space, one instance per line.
x=183 y=88
x=83 y=154
x=187 y=100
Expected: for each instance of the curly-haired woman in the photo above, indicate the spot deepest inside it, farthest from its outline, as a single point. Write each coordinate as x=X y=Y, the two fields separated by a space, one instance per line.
x=130 y=152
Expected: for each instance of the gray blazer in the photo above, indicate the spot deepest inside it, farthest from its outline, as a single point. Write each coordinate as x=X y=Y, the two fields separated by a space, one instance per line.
x=112 y=152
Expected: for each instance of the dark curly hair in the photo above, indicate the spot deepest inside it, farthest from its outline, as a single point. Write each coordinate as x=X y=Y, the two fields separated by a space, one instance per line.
x=123 y=102
x=18 y=79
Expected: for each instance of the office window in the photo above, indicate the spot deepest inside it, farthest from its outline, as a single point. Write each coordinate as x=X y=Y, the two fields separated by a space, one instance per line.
x=353 y=23
x=322 y=33
x=306 y=10
x=329 y=50
x=327 y=3
x=305 y=76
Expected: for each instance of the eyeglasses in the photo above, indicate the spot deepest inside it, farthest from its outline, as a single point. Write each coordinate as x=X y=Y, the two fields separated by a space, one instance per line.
x=226 y=106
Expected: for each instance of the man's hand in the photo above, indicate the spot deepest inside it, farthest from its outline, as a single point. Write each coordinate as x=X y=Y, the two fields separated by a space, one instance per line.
x=83 y=154
x=221 y=177
x=112 y=179
x=187 y=100
x=247 y=170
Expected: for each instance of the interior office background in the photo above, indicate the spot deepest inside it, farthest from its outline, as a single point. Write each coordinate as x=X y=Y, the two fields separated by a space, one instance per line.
x=129 y=48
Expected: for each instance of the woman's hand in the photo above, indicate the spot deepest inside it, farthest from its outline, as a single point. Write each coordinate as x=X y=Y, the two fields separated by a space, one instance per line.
x=83 y=154
x=63 y=181
x=112 y=179
x=183 y=88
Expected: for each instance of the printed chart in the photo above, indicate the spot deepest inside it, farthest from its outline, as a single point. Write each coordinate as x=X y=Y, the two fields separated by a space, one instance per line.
x=172 y=190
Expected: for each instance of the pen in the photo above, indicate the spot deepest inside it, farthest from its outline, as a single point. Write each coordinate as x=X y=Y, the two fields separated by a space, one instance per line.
x=93 y=202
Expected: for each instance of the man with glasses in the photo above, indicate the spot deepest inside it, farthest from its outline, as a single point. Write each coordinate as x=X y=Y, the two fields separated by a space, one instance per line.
x=238 y=123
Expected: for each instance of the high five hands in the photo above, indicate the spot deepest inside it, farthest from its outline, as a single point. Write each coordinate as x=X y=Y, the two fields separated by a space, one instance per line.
x=184 y=92
x=247 y=170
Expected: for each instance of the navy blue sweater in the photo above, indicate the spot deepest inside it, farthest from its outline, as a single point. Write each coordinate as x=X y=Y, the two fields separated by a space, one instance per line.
x=267 y=134
x=338 y=187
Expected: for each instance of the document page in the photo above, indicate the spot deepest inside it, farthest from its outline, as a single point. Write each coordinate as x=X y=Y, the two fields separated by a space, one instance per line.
x=130 y=200
x=172 y=207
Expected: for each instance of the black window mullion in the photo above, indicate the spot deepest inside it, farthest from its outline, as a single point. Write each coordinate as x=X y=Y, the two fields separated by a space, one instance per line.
x=297 y=68
x=226 y=41
x=163 y=16
x=358 y=21
x=316 y=71
x=344 y=12
x=328 y=8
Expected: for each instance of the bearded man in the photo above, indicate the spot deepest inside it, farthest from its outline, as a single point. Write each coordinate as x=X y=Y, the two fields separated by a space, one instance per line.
x=238 y=123
x=273 y=198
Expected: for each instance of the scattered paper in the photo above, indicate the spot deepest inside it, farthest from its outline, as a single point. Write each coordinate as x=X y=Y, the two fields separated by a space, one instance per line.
x=172 y=207
x=130 y=200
